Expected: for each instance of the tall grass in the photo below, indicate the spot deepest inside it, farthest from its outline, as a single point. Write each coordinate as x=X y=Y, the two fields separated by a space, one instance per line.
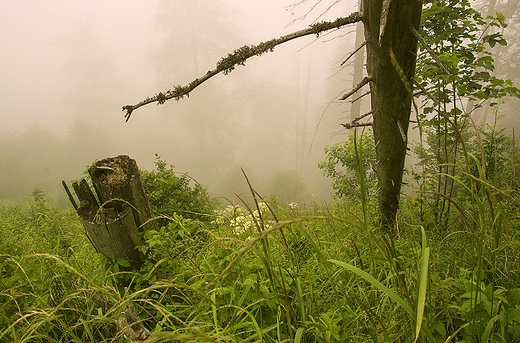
x=267 y=272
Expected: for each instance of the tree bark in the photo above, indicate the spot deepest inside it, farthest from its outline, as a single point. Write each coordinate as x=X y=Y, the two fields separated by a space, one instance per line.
x=387 y=31
x=113 y=234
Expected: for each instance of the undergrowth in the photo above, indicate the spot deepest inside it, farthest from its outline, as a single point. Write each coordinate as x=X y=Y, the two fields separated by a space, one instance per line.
x=263 y=272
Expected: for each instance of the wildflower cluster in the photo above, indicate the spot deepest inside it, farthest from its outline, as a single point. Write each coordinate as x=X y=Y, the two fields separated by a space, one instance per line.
x=241 y=220
x=292 y=206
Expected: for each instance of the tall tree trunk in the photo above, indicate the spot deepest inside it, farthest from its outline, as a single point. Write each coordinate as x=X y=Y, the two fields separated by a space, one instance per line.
x=388 y=26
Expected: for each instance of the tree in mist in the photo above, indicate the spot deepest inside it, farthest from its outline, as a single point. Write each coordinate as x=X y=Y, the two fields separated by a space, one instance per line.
x=30 y=160
x=269 y=118
x=90 y=74
x=288 y=186
x=507 y=57
x=194 y=34
x=391 y=53
x=38 y=158
x=391 y=56
x=84 y=143
x=358 y=67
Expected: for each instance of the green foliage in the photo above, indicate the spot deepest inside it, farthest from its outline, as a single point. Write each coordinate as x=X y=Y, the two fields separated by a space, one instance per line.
x=265 y=272
x=459 y=59
x=501 y=165
x=170 y=193
x=167 y=249
x=455 y=70
x=36 y=242
x=342 y=166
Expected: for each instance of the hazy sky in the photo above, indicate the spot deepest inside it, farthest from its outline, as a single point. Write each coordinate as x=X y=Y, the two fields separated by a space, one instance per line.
x=37 y=38
x=67 y=60
x=70 y=62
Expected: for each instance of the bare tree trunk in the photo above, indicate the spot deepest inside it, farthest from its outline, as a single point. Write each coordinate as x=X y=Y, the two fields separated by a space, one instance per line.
x=388 y=26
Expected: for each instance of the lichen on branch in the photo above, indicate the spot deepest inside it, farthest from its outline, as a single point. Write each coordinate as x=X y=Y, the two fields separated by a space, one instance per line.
x=238 y=57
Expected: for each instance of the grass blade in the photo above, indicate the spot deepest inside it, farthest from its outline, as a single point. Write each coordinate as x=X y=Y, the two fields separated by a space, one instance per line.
x=299 y=335
x=423 y=282
x=392 y=295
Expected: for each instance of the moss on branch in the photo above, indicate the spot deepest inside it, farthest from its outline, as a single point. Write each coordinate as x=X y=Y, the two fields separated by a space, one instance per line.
x=238 y=57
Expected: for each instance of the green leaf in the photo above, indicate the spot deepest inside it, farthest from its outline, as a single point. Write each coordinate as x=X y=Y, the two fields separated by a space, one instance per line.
x=513 y=297
x=501 y=19
x=489 y=327
x=514 y=315
x=123 y=262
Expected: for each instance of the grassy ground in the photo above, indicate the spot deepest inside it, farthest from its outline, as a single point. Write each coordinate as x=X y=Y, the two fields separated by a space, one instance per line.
x=267 y=273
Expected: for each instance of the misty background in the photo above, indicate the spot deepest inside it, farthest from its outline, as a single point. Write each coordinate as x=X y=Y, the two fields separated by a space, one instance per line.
x=67 y=68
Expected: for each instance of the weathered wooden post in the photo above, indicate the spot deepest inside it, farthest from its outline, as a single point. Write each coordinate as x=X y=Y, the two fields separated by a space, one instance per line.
x=117 y=213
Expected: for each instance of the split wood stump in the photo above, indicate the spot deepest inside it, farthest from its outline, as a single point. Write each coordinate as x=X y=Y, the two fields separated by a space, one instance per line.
x=118 y=211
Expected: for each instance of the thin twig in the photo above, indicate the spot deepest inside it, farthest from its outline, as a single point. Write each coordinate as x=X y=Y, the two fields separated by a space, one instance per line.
x=430 y=50
x=356 y=123
x=356 y=88
x=362 y=116
x=424 y=90
x=354 y=52
x=353 y=125
x=359 y=97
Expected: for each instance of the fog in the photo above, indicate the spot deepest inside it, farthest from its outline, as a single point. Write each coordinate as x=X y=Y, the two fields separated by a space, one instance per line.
x=67 y=68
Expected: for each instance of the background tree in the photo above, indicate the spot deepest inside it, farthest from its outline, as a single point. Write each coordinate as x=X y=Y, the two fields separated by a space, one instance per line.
x=507 y=59
x=341 y=165
x=194 y=34
x=29 y=160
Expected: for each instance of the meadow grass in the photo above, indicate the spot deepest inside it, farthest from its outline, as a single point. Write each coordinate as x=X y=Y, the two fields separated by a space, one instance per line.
x=266 y=272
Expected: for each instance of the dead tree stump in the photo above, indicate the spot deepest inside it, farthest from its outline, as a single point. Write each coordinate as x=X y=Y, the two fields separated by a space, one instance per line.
x=117 y=213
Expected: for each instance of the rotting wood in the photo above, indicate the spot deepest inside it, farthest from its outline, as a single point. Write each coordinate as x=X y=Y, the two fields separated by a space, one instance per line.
x=114 y=234
x=119 y=210
x=118 y=184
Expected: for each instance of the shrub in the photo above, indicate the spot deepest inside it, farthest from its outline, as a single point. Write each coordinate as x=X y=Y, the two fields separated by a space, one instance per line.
x=170 y=193
x=287 y=186
x=342 y=165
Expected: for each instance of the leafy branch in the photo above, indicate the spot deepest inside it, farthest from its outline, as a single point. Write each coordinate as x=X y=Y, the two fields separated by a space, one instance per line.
x=238 y=57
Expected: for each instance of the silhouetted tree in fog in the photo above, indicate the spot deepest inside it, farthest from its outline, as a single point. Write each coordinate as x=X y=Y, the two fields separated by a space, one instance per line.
x=195 y=33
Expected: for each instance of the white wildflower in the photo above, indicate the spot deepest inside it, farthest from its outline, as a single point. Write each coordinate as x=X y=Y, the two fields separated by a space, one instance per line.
x=264 y=208
x=293 y=206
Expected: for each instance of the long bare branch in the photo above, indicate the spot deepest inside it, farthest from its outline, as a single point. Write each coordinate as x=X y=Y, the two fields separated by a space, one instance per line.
x=239 y=57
